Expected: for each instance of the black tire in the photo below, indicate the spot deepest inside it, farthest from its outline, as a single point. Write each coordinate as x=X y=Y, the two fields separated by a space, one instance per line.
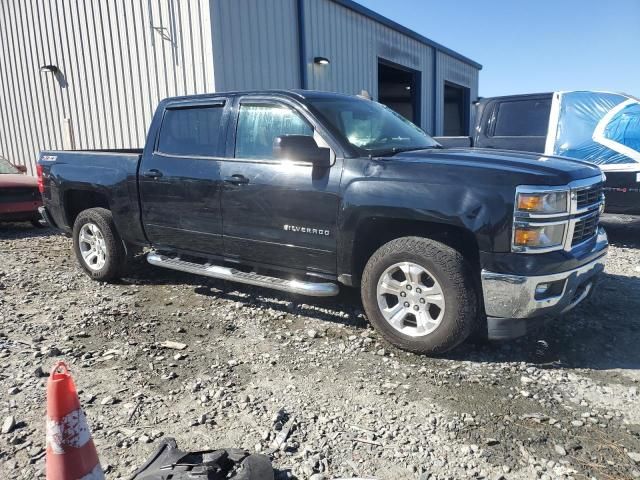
x=115 y=258
x=449 y=268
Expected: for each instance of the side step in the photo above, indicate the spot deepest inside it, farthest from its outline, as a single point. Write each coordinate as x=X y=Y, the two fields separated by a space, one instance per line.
x=312 y=289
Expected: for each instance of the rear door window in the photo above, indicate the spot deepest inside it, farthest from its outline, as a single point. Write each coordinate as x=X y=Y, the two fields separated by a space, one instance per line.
x=191 y=131
x=523 y=118
x=260 y=124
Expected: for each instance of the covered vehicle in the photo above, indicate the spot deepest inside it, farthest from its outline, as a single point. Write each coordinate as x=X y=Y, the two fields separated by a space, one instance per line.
x=19 y=195
x=602 y=128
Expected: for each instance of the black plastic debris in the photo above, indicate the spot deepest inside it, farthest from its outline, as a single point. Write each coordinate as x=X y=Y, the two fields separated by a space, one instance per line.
x=170 y=463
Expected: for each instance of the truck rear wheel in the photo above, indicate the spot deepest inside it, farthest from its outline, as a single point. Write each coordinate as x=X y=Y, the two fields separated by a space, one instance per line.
x=97 y=244
x=420 y=295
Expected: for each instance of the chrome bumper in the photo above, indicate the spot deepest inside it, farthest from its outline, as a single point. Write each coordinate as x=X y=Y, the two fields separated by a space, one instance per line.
x=513 y=297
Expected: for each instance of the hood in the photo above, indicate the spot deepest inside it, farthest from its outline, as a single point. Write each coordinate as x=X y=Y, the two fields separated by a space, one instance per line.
x=17 y=180
x=538 y=169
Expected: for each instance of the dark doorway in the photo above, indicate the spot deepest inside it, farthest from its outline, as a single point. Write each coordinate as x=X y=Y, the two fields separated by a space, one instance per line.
x=399 y=89
x=456 y=110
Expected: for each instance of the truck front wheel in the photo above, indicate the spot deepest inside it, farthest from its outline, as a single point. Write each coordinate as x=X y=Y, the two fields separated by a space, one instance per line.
x=420 y=295
x=97 y=244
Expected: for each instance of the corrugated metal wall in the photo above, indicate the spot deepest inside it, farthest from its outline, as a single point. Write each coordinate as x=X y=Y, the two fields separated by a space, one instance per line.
x=449 y=69
x=117 y=59
x=255 y=44
x=353 y=43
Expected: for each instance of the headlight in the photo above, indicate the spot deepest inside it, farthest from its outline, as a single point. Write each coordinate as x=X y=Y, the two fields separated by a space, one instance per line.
x=537 y=236
x=543 y=203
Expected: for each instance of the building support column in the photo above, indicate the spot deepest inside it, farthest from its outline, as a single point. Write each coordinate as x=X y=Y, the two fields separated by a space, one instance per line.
x=302 y=45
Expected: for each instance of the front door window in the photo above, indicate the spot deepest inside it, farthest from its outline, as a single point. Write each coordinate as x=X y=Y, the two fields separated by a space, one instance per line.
x=259 y=125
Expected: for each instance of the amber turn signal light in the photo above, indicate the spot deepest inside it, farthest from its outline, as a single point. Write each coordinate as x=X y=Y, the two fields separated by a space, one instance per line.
x=525 y=237
x=530 y=203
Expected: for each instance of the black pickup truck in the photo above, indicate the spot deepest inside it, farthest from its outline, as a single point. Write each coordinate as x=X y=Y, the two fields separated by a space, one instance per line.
x=598 y=127
x=305 y=191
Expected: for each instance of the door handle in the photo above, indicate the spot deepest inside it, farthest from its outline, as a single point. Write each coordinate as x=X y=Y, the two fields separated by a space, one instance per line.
x=237 y=179
x=153 y=173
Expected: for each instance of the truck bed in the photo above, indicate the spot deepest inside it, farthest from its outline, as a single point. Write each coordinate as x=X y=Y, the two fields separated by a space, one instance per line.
x=108 y=176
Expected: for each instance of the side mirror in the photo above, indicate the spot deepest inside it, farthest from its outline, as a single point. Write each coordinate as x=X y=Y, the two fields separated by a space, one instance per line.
x=301 y=148
x=21 y=168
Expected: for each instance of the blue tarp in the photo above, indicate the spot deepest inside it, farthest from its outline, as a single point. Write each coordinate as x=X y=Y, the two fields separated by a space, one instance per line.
x=602 y=128
x=624 y=127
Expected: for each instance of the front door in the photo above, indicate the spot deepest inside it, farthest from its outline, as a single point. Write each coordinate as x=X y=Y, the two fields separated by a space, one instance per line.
x=180 y=188
x=278 y=212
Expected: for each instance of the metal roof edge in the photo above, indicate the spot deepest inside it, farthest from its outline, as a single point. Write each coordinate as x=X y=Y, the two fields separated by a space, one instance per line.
x=361 y=9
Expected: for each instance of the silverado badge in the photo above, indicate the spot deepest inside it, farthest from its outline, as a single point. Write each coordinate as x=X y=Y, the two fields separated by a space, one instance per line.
x=312 y=231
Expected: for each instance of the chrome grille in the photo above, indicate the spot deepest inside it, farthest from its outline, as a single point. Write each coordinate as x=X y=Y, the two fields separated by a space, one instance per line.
x=589 y=197
x=580 y=220
x=585 y=228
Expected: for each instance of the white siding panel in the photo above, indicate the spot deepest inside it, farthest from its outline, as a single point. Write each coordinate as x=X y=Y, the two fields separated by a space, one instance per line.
x=255 y=44
x=117 y=60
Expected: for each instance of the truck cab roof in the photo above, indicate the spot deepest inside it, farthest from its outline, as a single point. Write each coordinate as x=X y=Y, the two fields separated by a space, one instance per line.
x=295 y=94
x=521 y=96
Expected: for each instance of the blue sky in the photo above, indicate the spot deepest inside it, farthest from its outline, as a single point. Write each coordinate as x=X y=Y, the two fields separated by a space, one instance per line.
x=534 y=46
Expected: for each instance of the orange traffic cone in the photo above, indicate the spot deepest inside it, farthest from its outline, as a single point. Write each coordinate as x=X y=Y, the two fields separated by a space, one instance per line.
x=71 y=454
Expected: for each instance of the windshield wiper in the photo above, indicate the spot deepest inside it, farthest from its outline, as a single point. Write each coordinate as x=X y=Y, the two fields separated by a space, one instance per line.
x=395 y=150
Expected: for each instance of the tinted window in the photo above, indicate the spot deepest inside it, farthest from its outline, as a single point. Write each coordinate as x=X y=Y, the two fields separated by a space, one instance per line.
x=191 y=131
x=259 y=125
x=523 y=118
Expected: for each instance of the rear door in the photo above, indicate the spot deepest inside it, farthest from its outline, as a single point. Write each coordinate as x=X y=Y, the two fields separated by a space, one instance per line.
x=517 y=124
x=180 y=185
x=278 y=212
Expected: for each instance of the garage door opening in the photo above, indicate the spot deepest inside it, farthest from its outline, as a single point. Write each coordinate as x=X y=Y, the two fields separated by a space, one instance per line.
x=456 y=110
x=399 y=89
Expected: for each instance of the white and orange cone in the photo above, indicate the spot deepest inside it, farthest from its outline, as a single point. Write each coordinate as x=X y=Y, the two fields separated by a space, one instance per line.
x=71 y=454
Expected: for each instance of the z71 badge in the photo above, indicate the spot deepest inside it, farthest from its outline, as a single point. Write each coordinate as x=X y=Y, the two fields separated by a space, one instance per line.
x=311 y=231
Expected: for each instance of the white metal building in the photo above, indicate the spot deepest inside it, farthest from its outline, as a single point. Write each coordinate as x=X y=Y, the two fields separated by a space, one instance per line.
x=89 y=74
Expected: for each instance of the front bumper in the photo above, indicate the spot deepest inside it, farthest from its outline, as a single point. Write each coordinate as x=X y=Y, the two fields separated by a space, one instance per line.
x=513 y=303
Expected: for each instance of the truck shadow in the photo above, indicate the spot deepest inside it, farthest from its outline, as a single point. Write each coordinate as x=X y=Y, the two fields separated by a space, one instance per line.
x=19 y=231
x=344 y=309
x=623 y=230
x=601 y=334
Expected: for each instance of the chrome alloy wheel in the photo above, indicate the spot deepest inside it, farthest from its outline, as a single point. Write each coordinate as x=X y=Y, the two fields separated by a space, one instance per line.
x=410 y=299
x=92 y=246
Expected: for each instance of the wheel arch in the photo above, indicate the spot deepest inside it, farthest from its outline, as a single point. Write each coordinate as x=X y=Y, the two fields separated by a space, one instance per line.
x=372 y=232
x=77 y=200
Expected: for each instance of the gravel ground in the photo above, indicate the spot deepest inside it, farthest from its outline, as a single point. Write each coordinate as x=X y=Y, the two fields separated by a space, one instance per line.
x=257 y=363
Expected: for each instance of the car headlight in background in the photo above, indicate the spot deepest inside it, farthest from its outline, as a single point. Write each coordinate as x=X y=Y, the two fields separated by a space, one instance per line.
x=528 y=236
x=543 y=203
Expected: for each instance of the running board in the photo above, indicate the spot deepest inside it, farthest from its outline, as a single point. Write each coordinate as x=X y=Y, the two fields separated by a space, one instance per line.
x=311 y=289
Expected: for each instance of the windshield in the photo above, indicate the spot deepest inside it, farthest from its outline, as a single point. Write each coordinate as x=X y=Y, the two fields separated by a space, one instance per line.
x=6 y=167
x=370 y=126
